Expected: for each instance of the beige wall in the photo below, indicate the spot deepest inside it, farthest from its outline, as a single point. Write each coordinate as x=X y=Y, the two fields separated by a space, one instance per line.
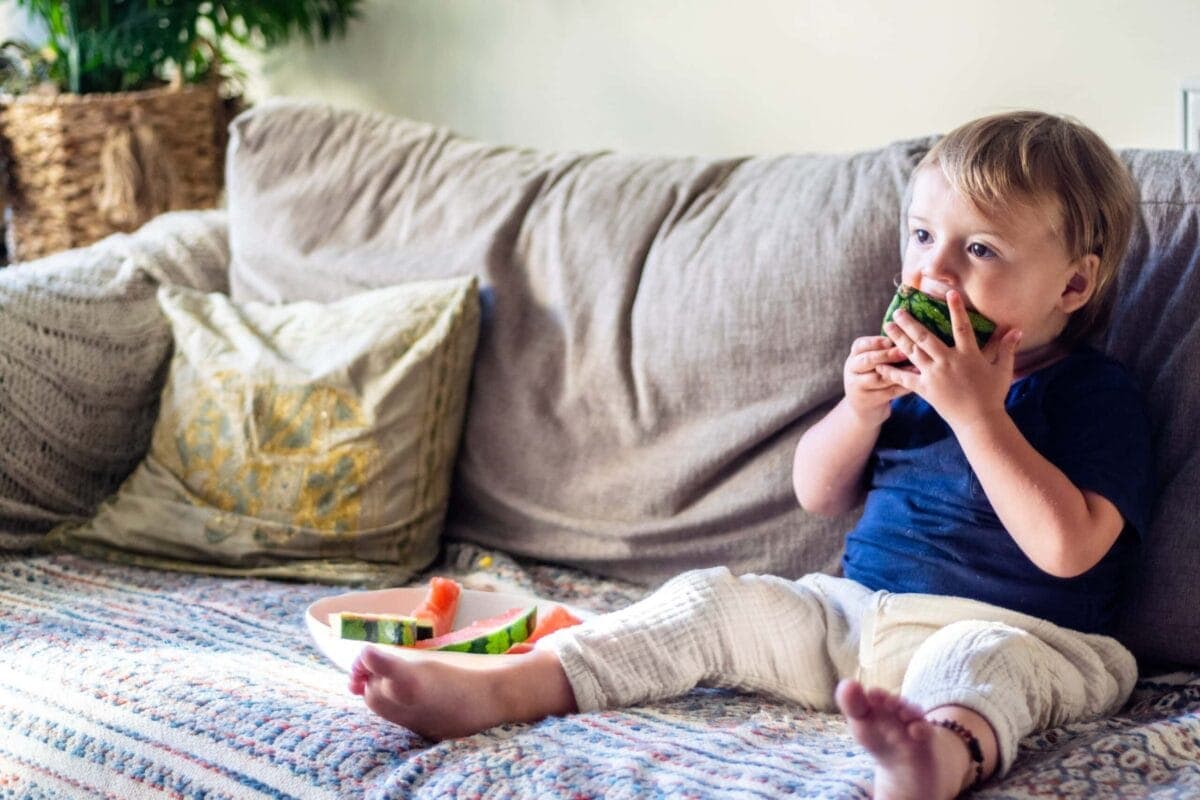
x=733 y=76
x=730 y=76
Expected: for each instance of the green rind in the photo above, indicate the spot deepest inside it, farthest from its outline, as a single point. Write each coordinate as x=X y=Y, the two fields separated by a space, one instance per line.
x=379 y=628
x=935 y=315
x=499 y=639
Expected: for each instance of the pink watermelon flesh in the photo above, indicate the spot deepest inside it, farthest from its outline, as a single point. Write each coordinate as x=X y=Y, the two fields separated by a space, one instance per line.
x=478 y=632
x=558 y=618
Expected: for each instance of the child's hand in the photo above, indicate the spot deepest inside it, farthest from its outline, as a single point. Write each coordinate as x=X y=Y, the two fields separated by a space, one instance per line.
x=963 y=383
x=868 y=391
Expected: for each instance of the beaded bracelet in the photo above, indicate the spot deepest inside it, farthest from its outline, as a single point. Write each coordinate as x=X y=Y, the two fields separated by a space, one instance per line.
x=973 y=748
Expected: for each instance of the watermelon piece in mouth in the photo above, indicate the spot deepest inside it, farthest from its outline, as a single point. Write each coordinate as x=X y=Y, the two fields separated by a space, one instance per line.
x=487 y=636
x=934 y=314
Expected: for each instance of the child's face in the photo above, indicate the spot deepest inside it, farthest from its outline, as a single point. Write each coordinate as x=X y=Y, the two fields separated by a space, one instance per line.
x=1012 y=268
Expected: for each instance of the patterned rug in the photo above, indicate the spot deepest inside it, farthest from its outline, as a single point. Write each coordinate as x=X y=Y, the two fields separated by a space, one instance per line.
x=119 y=682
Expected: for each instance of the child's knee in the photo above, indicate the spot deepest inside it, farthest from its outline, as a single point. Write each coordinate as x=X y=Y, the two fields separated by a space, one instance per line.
x=975 y=648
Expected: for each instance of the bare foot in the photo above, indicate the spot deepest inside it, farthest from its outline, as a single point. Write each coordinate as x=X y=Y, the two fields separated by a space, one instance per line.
x=914 y=760
x=446 y=701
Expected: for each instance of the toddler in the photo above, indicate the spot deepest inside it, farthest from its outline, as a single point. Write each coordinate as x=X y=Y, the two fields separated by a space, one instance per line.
x=1005 y=488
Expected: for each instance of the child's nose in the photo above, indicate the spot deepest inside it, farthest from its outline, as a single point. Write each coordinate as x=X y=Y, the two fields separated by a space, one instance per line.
x=941 y=265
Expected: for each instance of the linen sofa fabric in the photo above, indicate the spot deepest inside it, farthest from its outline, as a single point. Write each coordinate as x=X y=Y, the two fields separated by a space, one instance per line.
x=657 y=332
x=82 y=349
x=1155 y=331
x=304 y=440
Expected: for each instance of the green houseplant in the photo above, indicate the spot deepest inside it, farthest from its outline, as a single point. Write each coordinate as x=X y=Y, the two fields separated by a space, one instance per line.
x=125 y=45
x=125 y=103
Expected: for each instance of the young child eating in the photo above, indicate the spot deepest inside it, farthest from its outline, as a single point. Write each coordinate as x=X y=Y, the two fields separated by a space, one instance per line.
x=1005 y=486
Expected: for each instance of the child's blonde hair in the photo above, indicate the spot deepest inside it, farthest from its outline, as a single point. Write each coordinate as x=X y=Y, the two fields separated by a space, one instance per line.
x=1026 y=156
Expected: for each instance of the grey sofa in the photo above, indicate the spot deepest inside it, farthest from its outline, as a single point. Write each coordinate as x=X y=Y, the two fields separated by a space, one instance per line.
x=656 y=334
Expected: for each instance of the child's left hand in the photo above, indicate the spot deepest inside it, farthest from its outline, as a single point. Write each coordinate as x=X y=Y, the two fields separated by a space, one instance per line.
x=964 y=384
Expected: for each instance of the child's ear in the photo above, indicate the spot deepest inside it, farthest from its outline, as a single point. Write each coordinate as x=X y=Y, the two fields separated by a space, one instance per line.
x=1081 y=283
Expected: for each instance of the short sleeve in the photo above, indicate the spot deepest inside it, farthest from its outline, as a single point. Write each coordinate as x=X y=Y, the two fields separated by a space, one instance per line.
x=1099 y=435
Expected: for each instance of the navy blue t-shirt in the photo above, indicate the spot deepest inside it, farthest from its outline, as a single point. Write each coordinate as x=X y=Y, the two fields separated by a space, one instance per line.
x=928 y=527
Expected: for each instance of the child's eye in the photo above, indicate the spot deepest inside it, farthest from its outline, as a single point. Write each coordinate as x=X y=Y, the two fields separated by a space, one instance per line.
x=922 y=235
x=979 y=250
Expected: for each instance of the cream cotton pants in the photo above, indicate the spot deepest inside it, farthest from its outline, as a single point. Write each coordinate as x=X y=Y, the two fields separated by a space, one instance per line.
x=795 y=640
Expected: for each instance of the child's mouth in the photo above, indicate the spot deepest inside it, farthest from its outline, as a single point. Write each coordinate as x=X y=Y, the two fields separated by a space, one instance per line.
x=931 y=311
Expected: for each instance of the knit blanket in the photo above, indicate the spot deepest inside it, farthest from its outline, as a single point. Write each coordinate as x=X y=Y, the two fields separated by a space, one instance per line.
x=121 y=682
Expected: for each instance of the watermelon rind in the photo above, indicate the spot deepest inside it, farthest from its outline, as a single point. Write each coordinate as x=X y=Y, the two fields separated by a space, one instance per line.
x=511 y=628
x=935 y=315
x=379 y=628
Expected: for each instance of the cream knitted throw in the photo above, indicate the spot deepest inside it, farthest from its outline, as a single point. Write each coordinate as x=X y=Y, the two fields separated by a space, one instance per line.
x=83 y=350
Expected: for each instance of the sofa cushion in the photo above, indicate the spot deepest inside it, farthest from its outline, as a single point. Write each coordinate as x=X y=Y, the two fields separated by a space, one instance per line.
x=306 y=440
x=657 y=332
x=82 y=351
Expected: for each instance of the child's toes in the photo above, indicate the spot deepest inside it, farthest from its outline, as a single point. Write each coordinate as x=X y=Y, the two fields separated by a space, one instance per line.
x=918 y=729
x=374 y=661
x=851 y=699
x=907 y=712
x=881 y=700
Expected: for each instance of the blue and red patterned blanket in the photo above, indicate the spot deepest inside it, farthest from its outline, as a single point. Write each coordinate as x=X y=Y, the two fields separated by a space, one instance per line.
x=121 y=682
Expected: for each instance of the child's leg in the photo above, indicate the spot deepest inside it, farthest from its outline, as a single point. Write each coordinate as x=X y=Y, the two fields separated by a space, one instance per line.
x=760 y=633
x=997 y=673
x=1005 y=682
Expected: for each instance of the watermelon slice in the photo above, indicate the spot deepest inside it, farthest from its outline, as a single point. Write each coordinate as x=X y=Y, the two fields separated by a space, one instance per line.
x=381 y=628
x=440 y=605
x=558 y=618
x=934 y=314
x=492 y=636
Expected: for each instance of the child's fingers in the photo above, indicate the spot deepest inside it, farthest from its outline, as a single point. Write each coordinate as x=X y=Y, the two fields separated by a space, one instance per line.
x=960 y=322
x=865 y=343
x=866 y=362
x=887 y=392
x=1002 y=345
x=903 y=378
x=1009 y=345
x=912 y=338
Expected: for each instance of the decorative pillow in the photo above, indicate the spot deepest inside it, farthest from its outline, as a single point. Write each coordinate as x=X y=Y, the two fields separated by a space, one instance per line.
x=311 y=441
x=83 y=351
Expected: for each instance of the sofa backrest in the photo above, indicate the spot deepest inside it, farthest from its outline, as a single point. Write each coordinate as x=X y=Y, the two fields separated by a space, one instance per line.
x=657 y=332
x=1155 y=331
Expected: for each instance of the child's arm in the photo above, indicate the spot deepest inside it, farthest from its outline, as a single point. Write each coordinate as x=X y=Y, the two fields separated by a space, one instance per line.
x=828 y=466
x=1064 y=530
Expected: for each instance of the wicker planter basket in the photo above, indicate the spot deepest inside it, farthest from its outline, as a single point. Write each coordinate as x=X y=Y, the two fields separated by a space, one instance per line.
x=84 y=166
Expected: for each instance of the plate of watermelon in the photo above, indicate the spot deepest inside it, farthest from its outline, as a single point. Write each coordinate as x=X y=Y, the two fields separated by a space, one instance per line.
x=440 y=620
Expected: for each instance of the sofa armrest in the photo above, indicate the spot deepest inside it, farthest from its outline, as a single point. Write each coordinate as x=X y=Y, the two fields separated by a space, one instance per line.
x=83 y=353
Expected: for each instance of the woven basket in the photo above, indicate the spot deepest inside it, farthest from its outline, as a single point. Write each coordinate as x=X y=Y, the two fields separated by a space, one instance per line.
x=84 y=166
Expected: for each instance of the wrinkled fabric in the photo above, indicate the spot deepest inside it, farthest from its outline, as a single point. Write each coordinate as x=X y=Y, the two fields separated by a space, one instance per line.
x=795 y=640
x=657 y=333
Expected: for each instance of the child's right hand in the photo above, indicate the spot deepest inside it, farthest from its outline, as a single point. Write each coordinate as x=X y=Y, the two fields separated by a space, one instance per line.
x=868 y=393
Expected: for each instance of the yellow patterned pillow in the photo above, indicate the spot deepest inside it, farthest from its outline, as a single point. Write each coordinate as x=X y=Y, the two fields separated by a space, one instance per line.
x=310 y=441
